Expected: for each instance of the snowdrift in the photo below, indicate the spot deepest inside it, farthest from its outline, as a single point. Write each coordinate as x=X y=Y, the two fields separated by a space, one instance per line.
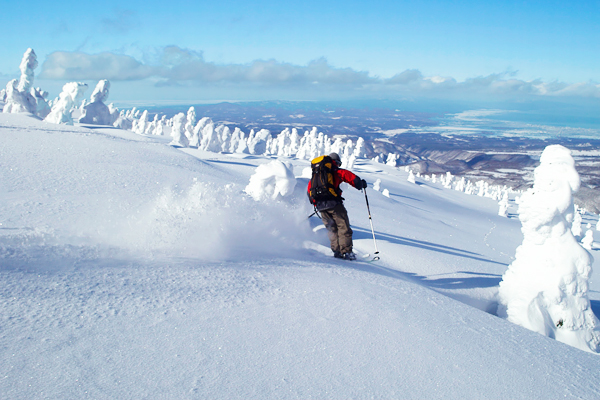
x=132 y=269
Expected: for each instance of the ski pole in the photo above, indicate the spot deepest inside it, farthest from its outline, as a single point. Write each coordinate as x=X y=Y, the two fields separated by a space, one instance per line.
x=315 y=213
x=371 y=221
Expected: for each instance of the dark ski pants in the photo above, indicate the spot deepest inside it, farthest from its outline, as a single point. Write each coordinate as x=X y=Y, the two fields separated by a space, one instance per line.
x=338 y=228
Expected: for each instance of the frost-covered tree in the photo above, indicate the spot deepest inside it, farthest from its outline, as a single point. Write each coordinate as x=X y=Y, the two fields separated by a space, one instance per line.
x=196 y=138
x=96 y=112
x=294 y=142
x=545 y=287
x=576 y=228
x=225 y=138
x=448 y=181
x=411 y=177
x=28 y=64
x=258 y=144
x=20 y=96
x=588 y=240
x=359 y=149
x=190 y=123
x=140 y=125
x=17 y=101
x=68 y=98
x=210 y=139
x=123 y=121
x=271 y=181
x=160 y=126
x=503 y=205
x=392 y=158
x=236 y=137
x=178 y=131
x=41 y=98
x=461 y=185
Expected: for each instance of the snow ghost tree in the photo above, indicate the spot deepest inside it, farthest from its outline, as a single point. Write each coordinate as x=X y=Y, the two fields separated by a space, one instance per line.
x=19 y=98
x=17 y=101
x=178 y=131
x=28 y=64
x=68 y=98
x=96 y=112
x=271 y=181
x=545 y=288
x=503 y=205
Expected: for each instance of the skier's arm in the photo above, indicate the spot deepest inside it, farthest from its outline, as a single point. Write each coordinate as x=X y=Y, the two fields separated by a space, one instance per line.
x=351 y=179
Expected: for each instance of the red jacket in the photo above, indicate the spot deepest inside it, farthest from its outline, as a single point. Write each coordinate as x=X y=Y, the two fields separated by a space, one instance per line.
x=340 y=175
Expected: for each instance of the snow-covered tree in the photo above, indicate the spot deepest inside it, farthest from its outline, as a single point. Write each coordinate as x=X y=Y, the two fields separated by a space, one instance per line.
x=178 y=131
x=210 y=139
x=588 y=240
x=68 y=98
x=391 y=159
x=236 y=137
x=96 y=112
x=197 y=132
x=503 y=204
x=461 y=185
x=190 y=123
x=28 y=64
x=377 y=185
x=271 y=181
x=123 y=121
x=20 y=96
x=41 y=98
x=258 y=144
x=411 y=177
x=359 y=149
x=140 y=125
x=17 y=101
x=576 y=228
x=225 y=135
x=545 y=287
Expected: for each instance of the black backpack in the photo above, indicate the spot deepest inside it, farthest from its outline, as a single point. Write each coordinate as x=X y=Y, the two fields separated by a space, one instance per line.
x=322 y=186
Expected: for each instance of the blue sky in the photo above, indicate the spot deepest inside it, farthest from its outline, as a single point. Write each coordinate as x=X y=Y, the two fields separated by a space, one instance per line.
x=310 y=50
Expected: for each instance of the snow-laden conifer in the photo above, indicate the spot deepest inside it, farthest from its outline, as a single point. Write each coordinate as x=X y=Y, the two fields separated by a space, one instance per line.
x=545 y=288
x=503 y=205
x=18 y=93
x=588 y=240
x=68 y=98
x=271 y=181
x=96 y=112
x=178 y=131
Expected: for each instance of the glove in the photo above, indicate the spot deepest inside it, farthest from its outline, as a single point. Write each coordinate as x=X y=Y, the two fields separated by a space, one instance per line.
x=364 y=184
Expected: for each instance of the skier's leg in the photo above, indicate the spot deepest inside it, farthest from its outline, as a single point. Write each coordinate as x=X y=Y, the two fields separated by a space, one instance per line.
x=344 y=232
x=332 y=229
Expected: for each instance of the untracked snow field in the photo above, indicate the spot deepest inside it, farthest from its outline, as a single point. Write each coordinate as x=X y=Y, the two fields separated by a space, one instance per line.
x=130 y=269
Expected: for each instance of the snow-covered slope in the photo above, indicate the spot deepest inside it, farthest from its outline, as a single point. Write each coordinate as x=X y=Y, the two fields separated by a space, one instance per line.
x=130 y=269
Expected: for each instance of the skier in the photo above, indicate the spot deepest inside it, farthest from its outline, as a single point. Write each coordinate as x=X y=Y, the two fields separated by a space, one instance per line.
x=329 y=202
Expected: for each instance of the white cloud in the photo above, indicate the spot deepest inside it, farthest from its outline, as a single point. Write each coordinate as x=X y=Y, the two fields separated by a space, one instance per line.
x=81 y=66
x=499 y=84
x=172 y=66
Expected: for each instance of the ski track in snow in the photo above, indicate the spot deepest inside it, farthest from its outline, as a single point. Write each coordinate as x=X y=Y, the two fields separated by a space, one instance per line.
x=129 y=270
